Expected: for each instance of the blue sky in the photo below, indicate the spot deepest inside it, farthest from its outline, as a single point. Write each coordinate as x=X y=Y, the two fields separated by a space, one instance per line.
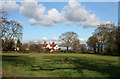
x=105 y=11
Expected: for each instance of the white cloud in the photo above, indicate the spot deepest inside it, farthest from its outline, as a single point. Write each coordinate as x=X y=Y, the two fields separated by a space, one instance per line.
x=91 y=21
x=68 y=23
x=73 y=4
x=77 y=13
x=36 y=13
x=50 y=39
x=32 y=21
x=44 y=38
x=32 y=10
x=74 y=12
x=8 y=5
x=82 y=41
x=54 y=39
x=108 y=22
x=55 y=16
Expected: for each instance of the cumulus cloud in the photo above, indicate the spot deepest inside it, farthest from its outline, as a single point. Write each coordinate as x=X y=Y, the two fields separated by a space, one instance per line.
x=10 y=5
x=55 y=16
x=32 y=21
x=72 y=4
x=68 y=23
x=74 y=12
x=32 y=10
x=36 y=13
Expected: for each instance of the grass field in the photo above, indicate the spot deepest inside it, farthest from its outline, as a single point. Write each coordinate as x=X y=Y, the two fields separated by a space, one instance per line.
x=60 y=65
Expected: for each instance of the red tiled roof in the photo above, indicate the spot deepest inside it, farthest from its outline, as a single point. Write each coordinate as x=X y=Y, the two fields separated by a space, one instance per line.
x=44 y=45
x=52 y=48
x=52 y=45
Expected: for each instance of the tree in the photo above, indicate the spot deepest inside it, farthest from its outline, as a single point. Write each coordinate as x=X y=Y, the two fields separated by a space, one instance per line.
x=82 y=48
x=67 y=39
x=19 y=44
x=92 y=43
x=106 y=36
x=115 y=41
x=75 y=45
x=25 y=47
x=11 y=29
x=8 y=45
x=35 y=46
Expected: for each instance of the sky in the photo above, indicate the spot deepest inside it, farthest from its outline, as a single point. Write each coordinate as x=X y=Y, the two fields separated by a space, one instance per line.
x=48 y=20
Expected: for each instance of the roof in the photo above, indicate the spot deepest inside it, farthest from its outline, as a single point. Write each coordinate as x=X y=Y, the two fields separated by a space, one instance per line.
x=52 y=45
x=44 y=45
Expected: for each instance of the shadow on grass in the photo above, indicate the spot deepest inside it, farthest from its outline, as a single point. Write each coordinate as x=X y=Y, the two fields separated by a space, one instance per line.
x=80 y=64
x=17 y=60
x=105 y=68
x=84 y=64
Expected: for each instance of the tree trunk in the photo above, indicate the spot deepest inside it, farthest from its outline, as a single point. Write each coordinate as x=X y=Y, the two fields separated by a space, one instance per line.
x=95 y=50
x=67 y=48
x=98 y=48
x=101 y=48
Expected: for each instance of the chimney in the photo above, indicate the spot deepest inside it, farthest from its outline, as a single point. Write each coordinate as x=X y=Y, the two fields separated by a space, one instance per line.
x=45 y=42
x=53 y=42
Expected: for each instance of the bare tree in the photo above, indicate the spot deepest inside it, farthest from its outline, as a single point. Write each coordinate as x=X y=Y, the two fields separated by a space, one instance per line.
x=67 y=39
x=11 y=29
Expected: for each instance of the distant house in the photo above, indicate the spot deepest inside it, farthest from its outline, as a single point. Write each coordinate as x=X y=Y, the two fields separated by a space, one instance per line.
x=52 y=46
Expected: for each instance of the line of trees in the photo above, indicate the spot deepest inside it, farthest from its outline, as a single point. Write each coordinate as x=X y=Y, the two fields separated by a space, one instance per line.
x=105 y=40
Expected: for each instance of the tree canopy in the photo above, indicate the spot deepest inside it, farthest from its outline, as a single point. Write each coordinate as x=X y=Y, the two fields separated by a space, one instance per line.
x=67 y=39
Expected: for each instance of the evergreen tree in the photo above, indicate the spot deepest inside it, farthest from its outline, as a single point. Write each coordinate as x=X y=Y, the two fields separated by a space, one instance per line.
x=19 y=44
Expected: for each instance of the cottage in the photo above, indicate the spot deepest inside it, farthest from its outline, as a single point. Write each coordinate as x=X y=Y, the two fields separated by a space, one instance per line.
x=52 y=46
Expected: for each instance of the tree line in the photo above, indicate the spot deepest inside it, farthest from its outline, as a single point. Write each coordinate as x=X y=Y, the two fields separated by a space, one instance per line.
x=105 y=39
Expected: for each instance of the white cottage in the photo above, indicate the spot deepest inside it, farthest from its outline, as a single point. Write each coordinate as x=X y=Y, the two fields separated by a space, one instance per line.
x=52 y=46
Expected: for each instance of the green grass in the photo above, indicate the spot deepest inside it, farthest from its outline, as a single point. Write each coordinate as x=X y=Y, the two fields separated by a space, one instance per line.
x=60 y=65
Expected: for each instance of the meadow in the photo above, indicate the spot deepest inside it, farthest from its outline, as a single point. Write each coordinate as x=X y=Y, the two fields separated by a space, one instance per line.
x=60 y=65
